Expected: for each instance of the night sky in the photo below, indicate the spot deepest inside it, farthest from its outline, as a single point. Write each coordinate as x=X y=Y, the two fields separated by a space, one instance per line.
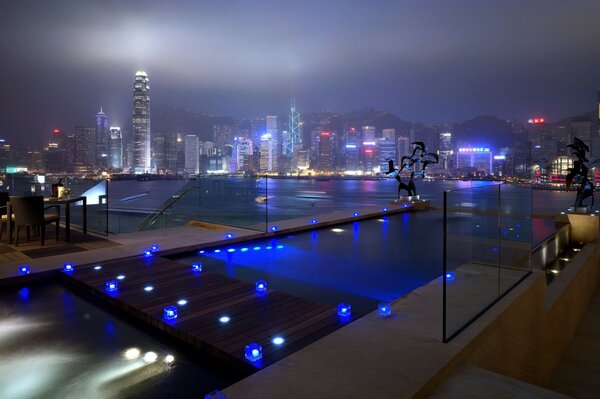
x=424 y=60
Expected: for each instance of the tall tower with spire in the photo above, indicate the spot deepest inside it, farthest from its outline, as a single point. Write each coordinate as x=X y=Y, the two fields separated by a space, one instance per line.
x=294 y=133
x=102 y=140
x=141 y=123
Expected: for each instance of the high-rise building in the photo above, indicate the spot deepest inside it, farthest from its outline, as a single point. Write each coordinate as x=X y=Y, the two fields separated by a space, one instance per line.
x=192 y=154
x=386 y=150
x=102 y=140
x=242 y=147
x=292 y=141
x=389 y=135
x=85 y=148
x=475 y=159
x=351 y=149
x=4 y=155
x=268 y=157
x=326 y=152
x=403 y=147
x=445 y=152
x=141 y=123
x=115 y=148
x=368 y=133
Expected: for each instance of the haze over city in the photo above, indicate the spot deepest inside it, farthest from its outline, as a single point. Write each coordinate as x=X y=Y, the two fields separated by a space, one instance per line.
x=425 y=61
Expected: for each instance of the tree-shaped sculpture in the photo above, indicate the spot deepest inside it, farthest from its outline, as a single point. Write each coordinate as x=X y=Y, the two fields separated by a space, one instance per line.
x=579 y=173
x=411 y=163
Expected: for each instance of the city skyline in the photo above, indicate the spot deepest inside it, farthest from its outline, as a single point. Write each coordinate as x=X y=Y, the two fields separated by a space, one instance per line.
x=425 y=62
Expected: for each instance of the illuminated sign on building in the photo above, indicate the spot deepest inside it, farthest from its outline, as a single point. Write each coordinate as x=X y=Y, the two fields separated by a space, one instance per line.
x=477 y=149
x=536 y=121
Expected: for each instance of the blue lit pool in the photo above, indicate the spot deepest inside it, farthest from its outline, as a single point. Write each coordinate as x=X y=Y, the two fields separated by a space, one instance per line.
x=53 y=344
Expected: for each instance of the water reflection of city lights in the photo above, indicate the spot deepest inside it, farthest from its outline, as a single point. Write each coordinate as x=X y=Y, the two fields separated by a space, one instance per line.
x=132 y=353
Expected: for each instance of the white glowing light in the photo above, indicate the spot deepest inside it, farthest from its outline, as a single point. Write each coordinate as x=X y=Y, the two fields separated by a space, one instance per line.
x=132 y=353
x=337 y=230
x=150 y=357
x=97 y=267
x=554 y=271
x=169 y=359
x=182 y=302
x=278 y=340
x=120 y=277
x=148 y=288
x=564 y=259
x=224 y=319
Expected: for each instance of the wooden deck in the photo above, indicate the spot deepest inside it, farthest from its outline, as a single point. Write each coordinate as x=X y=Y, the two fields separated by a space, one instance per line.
x=254 y=317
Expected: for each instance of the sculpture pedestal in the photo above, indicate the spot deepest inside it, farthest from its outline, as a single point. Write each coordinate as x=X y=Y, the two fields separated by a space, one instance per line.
x=584 y=228
x=406 y=198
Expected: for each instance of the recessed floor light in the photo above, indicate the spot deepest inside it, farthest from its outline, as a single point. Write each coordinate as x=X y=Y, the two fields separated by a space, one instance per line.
x=148 y=288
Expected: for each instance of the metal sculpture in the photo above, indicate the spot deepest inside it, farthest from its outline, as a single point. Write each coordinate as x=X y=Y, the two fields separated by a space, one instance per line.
x=419 y=156
x=579 y=174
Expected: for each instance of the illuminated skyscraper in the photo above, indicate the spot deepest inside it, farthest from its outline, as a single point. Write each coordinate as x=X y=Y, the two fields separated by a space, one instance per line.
x=141 y=123
x=85 y=148
x=368 y=133
x=326 y=152
x=293 y=137
x=115 y=148
x=102 y=140
x=192 y=154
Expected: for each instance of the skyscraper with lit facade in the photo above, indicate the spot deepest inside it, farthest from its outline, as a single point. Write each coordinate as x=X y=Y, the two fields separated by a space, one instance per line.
x=141 y=123
x=115 y=148
x=102 y=140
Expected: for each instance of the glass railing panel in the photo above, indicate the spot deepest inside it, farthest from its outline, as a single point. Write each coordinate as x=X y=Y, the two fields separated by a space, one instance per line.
x=236 y=201
x=471 y=254
x=95 y=191
x=133 y=203
x=516 y=234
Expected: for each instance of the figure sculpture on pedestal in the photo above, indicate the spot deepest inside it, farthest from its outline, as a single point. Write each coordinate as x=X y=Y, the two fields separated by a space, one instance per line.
x=579 y=174
x=419 y=156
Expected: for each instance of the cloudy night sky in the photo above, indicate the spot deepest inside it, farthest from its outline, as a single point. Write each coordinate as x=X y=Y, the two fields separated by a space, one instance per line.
x=424 y=60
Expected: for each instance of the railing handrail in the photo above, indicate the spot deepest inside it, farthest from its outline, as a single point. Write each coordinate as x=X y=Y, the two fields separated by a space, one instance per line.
x=152 y=218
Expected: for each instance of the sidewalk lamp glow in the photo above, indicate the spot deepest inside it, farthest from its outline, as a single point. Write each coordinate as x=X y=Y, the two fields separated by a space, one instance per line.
x=111 y=285
x=261 y=286
x=197 y=267
x=24 y=269
x=170 y=312
x=68 y=267
x=253 y=352
x=344 y=310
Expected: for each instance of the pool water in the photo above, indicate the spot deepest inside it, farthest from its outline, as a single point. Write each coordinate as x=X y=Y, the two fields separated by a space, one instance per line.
x=54 y=344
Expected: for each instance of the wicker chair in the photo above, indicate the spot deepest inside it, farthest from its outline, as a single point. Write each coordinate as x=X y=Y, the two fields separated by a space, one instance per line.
x=30 y=212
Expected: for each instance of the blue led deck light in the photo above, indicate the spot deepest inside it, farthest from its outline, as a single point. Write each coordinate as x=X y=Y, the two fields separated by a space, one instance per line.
x=153 y=248
x=244 y=249
x=385 y=209
x=256 y=248
x=111 y=285
x=253 y=352
x=24 y=269
x=355 y=214
x=268 y=247
x=385 y=308
x=197 y=267
x=314 y=221
x=450 y=276
x=200 y=252
x=147 y=252
x=215 y=395
x=344 y=310
x=170 y=312
x=279 y=246
x=261 y=286
x=229 y=235
x=274 y=228
x=68 y=267
x=231 y=250
x=278 y=340
x=217 y=251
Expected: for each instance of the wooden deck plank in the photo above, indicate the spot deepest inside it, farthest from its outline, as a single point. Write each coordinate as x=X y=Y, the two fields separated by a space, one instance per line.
x=254 y=317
